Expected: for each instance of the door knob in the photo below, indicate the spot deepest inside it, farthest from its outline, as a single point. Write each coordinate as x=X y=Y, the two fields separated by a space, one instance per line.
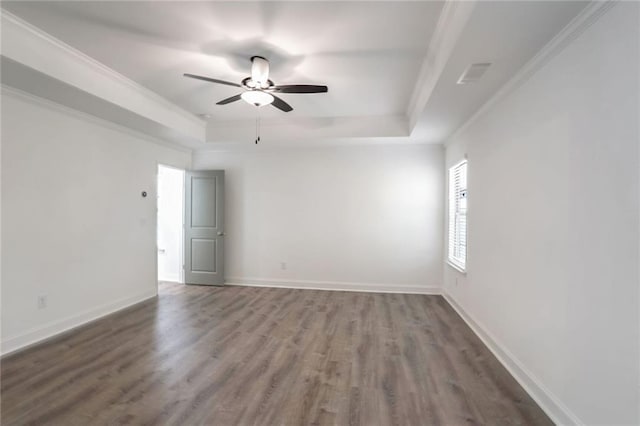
x=220 y=234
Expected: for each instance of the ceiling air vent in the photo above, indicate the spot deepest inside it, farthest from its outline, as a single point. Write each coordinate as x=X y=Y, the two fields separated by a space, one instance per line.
x=473 y=73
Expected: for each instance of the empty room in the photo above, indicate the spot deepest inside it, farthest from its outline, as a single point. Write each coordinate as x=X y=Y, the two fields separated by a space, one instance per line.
x=320 y=213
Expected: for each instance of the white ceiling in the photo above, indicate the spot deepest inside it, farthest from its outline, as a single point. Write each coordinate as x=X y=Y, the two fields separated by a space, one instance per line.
x=369 y=54
x=505 y=33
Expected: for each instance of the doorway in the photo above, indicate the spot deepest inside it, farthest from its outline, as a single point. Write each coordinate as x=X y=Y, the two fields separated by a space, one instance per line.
x=170 y=239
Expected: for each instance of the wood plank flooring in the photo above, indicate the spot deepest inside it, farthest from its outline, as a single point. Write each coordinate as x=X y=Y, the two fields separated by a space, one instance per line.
x=244 y=356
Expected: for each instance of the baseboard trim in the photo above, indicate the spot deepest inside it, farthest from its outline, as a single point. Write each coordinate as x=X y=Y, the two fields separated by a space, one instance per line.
x=559 y=413
x=334 y=286
x=41 y=334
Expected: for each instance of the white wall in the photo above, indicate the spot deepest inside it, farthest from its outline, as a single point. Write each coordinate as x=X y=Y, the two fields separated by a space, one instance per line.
x=75 y=226
x=170 y=211
x=553 y=278
x=359 y=217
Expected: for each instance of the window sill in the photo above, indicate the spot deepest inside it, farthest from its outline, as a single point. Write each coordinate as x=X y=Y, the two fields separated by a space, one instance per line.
x=457 y=268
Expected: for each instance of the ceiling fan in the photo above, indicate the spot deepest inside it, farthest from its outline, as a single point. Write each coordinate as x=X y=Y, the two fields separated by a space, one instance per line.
x=259 y=90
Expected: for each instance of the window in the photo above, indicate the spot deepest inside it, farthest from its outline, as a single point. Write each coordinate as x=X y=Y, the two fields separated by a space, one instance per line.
x=458 y=216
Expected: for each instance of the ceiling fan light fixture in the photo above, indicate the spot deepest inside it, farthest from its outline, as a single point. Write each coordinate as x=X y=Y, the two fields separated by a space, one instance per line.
x=257 y=97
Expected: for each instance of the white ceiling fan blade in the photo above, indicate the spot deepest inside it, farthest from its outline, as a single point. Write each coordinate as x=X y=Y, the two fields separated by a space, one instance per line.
x=260 y=71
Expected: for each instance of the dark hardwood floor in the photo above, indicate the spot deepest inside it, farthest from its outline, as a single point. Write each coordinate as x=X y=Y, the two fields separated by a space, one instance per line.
x=245 y=356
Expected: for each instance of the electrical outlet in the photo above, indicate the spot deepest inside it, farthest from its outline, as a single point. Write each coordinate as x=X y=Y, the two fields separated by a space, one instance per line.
x=283 y=265
x=42 y=301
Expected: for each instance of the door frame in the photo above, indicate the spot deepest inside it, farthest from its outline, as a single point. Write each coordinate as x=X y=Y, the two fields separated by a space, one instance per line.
x=181 y=250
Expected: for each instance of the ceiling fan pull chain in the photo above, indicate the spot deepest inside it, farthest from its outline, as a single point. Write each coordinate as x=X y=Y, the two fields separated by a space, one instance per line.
x=257 y=126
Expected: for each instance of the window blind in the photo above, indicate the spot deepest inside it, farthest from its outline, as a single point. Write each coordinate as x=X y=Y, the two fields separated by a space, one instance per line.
x=458 y=215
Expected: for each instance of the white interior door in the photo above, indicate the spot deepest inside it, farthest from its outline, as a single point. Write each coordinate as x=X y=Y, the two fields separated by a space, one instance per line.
x=204 y=227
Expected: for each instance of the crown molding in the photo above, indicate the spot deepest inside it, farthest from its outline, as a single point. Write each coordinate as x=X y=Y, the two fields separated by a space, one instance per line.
x=585 y=19
x=309 y=128
x=97 y=66
x=55 y=106
x=269 y=145
x=453 y=19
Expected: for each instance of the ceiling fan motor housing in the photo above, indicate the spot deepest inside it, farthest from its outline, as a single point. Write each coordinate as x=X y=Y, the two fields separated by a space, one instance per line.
x=260 y=72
